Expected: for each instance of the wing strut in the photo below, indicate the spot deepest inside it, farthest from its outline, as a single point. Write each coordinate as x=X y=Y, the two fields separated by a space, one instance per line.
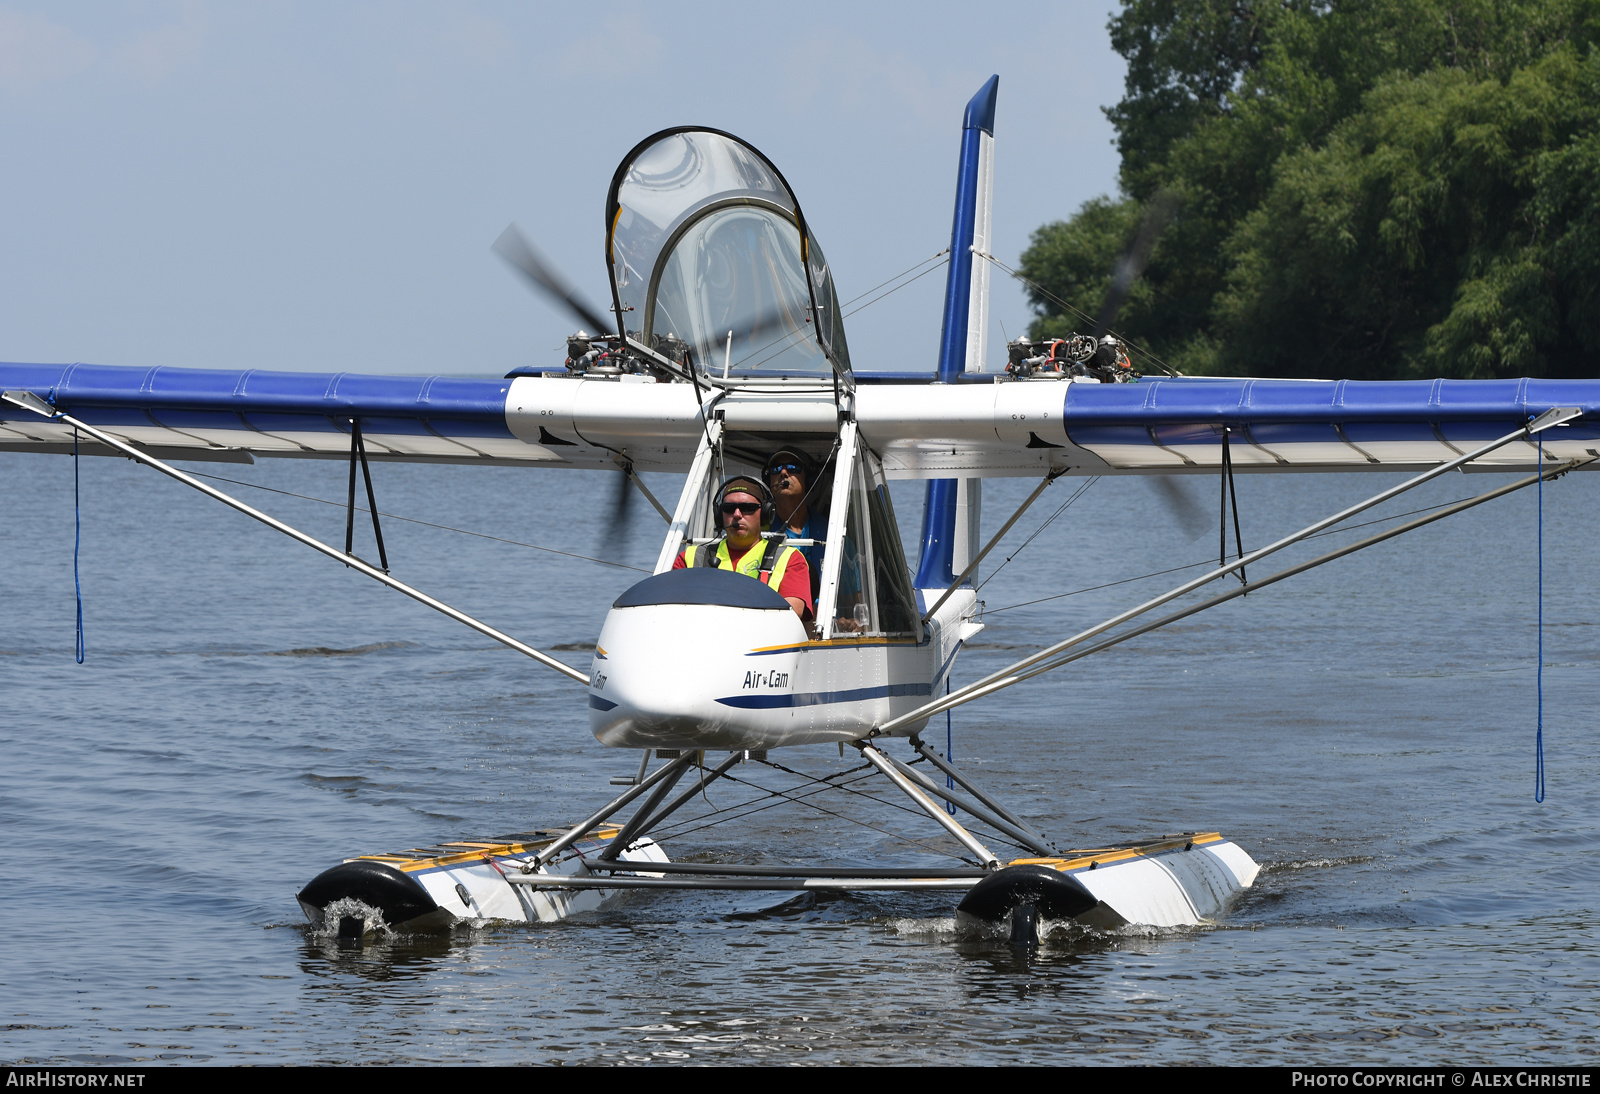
x=1228 y=488
x=1021 y=670
x=29 y=401
x=1458 y=507
x=994 y=539
x=358 y=450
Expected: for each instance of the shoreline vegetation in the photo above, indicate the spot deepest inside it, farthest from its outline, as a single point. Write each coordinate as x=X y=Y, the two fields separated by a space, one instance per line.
x=1368 y=189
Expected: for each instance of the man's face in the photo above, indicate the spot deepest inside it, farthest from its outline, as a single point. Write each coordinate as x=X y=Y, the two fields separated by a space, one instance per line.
x=741 y=515
x=787 y=481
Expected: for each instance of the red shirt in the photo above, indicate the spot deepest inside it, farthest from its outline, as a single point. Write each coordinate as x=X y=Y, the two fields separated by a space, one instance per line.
x=796 y=581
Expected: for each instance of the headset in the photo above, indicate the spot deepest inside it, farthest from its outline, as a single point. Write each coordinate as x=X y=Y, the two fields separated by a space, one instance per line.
x=762 y=494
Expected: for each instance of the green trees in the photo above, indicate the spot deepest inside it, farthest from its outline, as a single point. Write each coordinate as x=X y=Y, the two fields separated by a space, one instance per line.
x=1373 y=188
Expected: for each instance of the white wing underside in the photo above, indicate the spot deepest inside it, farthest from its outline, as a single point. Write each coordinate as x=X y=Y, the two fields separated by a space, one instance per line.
x=921 y=430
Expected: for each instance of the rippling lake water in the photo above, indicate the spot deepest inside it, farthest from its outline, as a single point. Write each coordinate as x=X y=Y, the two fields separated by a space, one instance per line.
x=251 y=712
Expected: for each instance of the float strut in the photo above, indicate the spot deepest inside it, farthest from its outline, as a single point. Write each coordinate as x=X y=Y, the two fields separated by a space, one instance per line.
x=584 y=827
x=986 y=858
x=1021 y=836
x=636 y=823
x=705 y=780
x=966 y=784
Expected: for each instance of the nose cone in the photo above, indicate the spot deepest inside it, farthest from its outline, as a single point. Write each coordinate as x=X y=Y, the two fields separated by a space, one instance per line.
x=675 y=644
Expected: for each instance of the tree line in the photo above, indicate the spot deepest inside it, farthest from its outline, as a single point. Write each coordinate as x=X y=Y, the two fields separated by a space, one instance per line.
x=1376 y=189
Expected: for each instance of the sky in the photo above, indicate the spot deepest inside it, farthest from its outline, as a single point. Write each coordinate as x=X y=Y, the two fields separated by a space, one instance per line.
x=316 y=186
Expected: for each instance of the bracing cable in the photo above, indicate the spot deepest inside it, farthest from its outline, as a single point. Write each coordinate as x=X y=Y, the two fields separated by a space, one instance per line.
x=1062 y=508
x=1208 y=562
x=1079 y=312
x=424 y=523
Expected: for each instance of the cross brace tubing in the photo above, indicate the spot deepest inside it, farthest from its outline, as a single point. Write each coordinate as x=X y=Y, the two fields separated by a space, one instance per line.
x=29 y=401
x=1301 y=568
x=833 y=884
x=1014 y=673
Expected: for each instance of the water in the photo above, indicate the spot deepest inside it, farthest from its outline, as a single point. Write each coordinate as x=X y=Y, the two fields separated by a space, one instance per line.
x=250 y=713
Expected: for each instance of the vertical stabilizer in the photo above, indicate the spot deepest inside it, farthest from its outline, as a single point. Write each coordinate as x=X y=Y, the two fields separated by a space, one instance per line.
x=950 y=519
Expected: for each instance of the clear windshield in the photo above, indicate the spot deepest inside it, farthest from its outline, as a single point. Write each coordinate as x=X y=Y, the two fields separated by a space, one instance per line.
x=706 y=243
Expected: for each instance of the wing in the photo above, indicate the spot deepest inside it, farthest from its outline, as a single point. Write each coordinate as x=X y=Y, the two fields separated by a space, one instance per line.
x=1176 y=426
x=228 y=415
x=993 y=427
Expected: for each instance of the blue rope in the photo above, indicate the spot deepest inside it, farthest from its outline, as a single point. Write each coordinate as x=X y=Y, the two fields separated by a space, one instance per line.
x=77 y=540
x=1538 y=746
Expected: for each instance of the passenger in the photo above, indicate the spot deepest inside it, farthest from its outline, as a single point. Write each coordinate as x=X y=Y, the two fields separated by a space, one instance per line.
x=794 y=484
x=743 y=508
x=789 y=477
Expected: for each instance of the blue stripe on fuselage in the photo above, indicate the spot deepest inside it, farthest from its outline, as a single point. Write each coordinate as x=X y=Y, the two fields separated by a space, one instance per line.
x=818 y=698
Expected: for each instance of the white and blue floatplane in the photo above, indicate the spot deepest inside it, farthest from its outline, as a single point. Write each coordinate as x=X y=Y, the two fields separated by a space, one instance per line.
x=729 y=346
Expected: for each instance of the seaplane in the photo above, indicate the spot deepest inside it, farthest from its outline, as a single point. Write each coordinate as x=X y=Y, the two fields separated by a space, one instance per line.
x=724 y=344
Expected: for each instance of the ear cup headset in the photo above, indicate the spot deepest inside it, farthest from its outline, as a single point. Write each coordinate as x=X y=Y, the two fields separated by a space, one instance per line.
x=744 y=484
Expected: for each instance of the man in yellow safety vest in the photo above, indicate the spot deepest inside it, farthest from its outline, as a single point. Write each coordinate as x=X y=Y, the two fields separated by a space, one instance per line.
x=743 y=509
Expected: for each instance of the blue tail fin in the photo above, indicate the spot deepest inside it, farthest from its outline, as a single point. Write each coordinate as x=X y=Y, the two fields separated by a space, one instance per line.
x=960 y=345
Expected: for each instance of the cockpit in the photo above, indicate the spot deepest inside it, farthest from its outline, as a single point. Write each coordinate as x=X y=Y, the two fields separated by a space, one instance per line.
x=712 y=264
x=713 y=267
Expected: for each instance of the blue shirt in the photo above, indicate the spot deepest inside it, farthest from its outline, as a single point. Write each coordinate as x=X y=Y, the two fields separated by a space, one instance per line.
x=816 y=528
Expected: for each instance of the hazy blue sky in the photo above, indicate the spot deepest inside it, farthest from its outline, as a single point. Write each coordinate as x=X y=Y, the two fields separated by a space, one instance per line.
x=316 y=186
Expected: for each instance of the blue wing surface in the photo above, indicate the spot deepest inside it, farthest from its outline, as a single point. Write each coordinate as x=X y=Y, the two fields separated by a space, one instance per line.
x=1332 y=424
x=921 y=429
x=234 y=414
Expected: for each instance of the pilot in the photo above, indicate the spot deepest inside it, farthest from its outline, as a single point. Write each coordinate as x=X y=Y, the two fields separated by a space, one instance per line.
x=743 y=506
x=794 y=483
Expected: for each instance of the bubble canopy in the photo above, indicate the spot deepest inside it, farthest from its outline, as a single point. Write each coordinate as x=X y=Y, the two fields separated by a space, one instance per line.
x=704 y=237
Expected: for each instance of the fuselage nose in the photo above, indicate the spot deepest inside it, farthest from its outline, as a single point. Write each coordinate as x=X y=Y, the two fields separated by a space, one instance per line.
x=677 y=655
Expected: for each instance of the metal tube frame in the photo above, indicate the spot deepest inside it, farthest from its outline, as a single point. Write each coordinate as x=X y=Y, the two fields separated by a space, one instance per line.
x=709 y=869
x=986 y=858
x=972 y=566
x=594 y=820
x=1320 y=560
x=29 y=401
x=966 y=783
x=707 y=777
x=827 y=884
x=1013 y=673
x=633 y=477
x=693 y=485
x=636 y=823
x=1023 y=839
x=358 y=453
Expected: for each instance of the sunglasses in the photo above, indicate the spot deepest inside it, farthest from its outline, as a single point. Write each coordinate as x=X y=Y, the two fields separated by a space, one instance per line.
x=777 y=468
x=729 y=508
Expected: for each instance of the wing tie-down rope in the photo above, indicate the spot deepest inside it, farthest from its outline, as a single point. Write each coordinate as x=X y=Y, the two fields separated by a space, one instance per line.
x=77 y=540
x=1538 y=736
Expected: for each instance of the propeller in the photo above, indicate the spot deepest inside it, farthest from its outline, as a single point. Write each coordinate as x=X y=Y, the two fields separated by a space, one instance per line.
x=1192 y=518
x=521 y=255
x=1158 y=214
x=1181 y=505
x=614 y=537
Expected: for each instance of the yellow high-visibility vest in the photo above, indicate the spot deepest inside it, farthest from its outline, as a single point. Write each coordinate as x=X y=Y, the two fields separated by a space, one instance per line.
x=767 y=565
